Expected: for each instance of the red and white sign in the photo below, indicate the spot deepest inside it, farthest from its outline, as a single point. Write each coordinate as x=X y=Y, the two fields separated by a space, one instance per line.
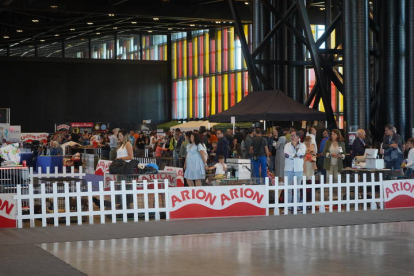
x=217 y=201
x=30 y=137
x=102 y=167
x=8 y=211
x=399 y=193
x=81 y=125
x=180 y=175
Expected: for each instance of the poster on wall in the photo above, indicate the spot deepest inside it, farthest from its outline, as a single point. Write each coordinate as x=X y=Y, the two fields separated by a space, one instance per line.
x=62 y=127
x=146 y=128
x=8 y=211
x=30 y=137
x=399 y=193
x=14 y=134
x=217 y=201
x=4 y=131
x=81 y=127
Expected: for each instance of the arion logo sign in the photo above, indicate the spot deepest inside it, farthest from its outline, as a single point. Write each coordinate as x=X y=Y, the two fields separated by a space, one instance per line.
x=218 y=201
x=399 y=194
x=7 y=211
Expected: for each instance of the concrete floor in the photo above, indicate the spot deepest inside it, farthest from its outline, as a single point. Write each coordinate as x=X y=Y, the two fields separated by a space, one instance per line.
x=377 y=242
x=373 y=249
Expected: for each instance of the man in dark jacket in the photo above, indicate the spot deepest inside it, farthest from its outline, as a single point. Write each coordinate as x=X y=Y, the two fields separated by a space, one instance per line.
x=222 y=146
x=359 y=145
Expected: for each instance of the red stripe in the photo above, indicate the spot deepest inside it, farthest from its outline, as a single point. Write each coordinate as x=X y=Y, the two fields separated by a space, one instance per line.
x=200 y=211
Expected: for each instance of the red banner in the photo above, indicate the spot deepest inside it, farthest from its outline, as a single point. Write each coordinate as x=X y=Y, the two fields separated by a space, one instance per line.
x=218 y=201
x=399 y=193
x=8 y=211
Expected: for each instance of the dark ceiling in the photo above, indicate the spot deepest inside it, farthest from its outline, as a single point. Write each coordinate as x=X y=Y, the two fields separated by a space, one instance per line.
x=26 y=21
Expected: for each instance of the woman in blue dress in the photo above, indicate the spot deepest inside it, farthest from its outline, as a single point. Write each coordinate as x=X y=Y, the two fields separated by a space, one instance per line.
x=196 y=161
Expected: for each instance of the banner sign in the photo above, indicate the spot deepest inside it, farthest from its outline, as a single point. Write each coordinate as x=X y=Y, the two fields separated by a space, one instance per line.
x=8 y=211
x=180 y=175
x=30 y=137
x=87 y=125
x=102 y=167
x=217 y=201
x=399 y=193
x=14 y=134
x=62 y=127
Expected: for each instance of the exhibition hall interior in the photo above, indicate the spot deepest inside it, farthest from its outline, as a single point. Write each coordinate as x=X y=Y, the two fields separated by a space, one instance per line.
x=206 y=137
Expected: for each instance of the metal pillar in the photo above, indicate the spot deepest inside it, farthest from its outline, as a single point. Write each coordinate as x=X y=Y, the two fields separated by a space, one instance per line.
x=392 y=65
x=296 y=73
x=409 y=89
x=356 y=63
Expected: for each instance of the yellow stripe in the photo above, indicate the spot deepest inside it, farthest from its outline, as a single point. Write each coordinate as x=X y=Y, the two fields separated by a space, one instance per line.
x=190 y=98
x=226 y=91
x=218 y=52
x=246 y=33
x=239 y=86
x=321 y=106
x=213 y=95
x=341 y=102
x=174 y=59
x=165 y=52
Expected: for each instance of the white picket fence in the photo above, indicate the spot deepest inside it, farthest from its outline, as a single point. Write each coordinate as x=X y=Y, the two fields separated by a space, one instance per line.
x=75 y=202
x=340 y=196
x=72 y=199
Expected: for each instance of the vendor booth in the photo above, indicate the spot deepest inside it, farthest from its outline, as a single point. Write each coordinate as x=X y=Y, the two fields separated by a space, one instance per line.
x=270 y=105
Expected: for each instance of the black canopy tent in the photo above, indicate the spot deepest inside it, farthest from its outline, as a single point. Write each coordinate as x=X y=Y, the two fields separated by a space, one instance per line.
x=269 y=105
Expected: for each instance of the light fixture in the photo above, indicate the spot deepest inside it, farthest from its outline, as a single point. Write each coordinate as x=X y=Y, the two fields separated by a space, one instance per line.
x=35 y=20
x=90 y=23
x=54 y=7
x=170 y=29
x=322 y=9
x=98 y=33
x=150 y=31
x=246 y=3
x=115 y=28
x=42 y=40
x=192 y=25
x=133 y=22
x=218 y=22
x=19 y=31
x=111 y=15
x=56 y=34
x=156 y=18
x=6 y=36
x=72 y=29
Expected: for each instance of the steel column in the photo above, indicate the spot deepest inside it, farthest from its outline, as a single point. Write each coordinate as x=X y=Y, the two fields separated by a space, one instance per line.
x=245 y=48
x=409 y=89
x=356 y=63
x=316 y=64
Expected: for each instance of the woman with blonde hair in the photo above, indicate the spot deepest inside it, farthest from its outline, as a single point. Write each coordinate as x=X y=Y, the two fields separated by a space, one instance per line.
x=334 y=152
x=125 y=151
x=310 y=158
x=56 y=148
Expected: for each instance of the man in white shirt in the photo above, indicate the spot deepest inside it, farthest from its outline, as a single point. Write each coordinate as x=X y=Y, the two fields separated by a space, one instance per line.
x=294 y=153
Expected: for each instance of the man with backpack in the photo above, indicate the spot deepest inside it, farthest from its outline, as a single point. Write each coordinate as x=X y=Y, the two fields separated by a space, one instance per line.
x=260 y=153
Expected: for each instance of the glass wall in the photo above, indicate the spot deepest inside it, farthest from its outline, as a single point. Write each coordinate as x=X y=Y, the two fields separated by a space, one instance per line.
x=208 y=71
x=337 y=100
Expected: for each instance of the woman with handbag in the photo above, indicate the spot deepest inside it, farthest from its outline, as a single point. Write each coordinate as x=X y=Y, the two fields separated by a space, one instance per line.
x=310 y=158
x=196 y=161
x=334 y=152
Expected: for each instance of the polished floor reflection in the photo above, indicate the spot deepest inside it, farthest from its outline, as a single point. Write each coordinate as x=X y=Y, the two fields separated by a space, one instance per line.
x=375 y=249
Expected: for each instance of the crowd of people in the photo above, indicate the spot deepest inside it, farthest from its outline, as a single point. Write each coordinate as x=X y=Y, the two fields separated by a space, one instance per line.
x=280 y=152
